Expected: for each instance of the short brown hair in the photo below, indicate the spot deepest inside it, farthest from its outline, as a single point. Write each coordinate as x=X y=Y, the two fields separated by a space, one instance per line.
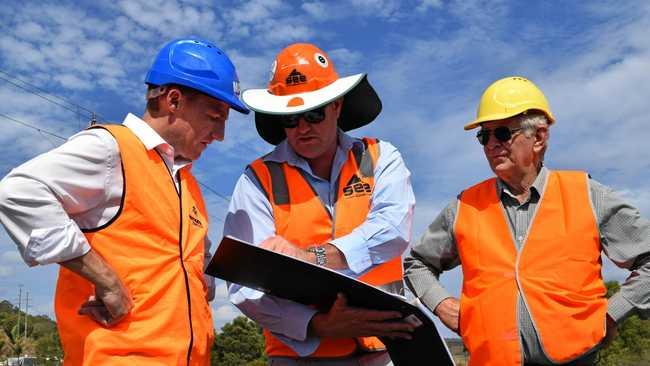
x=152 y=104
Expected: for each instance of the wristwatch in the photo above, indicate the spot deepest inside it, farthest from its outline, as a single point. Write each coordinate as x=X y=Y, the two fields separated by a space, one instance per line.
x=321 y=257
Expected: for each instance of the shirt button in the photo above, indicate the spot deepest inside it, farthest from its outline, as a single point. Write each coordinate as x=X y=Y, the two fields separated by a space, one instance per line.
x=520 y=238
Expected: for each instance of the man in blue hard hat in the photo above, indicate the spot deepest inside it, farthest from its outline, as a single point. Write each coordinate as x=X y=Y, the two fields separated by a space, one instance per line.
x=118 y=208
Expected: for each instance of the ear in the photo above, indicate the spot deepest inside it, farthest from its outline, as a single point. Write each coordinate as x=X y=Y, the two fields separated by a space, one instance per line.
x=541 y=139
x=337 y=105
x=173 y=100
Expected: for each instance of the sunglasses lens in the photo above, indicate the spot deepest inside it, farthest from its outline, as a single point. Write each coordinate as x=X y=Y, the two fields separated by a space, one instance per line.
x=483 y=136
x=315 y=115
x=502 y=134
x=290 y=120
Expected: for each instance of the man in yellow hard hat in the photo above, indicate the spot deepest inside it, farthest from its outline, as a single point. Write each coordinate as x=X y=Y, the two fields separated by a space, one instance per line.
x=529 y=241
x=328 y=198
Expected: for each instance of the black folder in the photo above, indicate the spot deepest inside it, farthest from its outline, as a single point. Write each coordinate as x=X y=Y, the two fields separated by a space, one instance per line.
x=286 y=277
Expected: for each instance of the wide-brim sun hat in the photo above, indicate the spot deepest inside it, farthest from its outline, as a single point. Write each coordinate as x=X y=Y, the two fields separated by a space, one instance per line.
x=303 y=78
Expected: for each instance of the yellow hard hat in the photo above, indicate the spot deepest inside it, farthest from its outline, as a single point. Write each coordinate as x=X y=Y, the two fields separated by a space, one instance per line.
x=509 y=97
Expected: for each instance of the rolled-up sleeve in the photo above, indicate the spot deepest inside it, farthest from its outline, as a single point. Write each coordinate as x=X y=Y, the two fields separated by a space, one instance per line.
x=386 y=231
x=39 y=199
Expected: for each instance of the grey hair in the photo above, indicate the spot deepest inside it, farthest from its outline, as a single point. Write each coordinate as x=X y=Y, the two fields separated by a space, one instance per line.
x=530 y=122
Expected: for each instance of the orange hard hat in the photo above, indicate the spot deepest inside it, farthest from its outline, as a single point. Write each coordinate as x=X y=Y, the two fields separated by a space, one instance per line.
x=303 y=78
x=301 y=67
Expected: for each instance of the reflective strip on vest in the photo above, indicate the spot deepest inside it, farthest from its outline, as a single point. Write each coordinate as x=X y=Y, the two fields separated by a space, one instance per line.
x=304 y=220
x=156 y=247
x=557 y=271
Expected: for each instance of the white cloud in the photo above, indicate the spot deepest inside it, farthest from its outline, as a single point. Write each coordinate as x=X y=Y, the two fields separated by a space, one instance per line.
x=221 y=291
x=95 y=50
x=171 y=18
x=318 y=10
x=11 y=257
x=254 y=11
x=72 y=81
x=382 y=8
x=425 y=5
x=30 y=31
x=346 y=59
x=285 y=33
x=267 y=23
x=6 y=270
x=20 y=54
x=224 y=314
x=638 y=197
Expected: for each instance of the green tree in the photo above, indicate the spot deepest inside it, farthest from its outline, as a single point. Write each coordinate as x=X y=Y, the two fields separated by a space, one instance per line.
x=632 y=346
x=42 y=337
x=240 y=342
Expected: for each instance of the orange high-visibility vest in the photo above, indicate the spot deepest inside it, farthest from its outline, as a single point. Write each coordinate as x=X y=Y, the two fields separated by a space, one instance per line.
x=302 y=219
x=557 y=271
x=155 y=244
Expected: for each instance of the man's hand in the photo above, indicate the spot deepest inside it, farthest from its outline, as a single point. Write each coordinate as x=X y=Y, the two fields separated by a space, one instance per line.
x=280 y=245
x=343 y=321
x=335 y=258
x=112 y=300
x=448 y=310
x=109 y=305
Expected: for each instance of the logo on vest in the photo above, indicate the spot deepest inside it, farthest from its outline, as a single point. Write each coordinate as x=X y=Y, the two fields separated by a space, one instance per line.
x=194 y=217
x=356 y=188
x=295 y=78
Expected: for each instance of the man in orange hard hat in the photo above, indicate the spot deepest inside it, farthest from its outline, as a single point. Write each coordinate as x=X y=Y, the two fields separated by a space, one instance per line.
x=117 y=206
x=325 y=197
x=530 y=242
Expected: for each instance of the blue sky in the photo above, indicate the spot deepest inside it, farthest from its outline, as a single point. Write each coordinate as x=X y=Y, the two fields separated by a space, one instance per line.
x=429 y=61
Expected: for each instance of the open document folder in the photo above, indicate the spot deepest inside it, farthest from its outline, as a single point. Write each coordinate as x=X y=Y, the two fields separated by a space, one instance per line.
x=282 y=276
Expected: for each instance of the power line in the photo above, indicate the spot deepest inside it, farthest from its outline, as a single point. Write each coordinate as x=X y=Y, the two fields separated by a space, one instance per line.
x=25 y=124
x=47 y=96
x=213 y=191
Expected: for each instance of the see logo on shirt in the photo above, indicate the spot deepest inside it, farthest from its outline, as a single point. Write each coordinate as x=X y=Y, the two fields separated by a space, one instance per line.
x=194 y=217
x=356 y=187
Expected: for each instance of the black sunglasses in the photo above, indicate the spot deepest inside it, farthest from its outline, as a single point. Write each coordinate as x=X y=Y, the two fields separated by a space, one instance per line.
x=313 y=116
x=502 y=133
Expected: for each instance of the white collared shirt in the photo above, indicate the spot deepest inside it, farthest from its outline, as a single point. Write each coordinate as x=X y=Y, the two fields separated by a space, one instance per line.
x=47 y=201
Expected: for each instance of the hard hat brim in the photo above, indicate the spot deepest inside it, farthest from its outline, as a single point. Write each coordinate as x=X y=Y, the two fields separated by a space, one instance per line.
x=496 y=117
x=361 y=105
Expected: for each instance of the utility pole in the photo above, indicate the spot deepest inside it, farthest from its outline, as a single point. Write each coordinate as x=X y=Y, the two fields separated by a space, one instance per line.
x=26 y=310
x=20 y=301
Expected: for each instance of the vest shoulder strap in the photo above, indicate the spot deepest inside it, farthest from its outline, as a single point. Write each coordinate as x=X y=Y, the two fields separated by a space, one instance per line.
x=366 y=156
x=271 y=177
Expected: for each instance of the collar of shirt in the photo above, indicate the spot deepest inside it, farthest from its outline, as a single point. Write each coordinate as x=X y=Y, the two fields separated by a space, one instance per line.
x=152 y=140
x=535 y=190
x=284 y=153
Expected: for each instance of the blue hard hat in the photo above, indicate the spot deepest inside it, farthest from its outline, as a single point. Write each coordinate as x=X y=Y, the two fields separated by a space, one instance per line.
x=200 y=65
